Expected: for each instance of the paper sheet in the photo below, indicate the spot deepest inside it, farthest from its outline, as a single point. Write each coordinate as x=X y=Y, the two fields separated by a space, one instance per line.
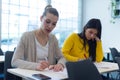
x=104 y=65
x=55 y=75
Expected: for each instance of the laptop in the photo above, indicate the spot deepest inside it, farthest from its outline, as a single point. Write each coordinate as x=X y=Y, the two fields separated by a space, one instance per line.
x=82 y=70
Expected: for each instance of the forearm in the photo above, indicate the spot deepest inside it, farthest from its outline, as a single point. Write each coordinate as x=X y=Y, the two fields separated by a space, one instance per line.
x=99 y=52
x=24 y=64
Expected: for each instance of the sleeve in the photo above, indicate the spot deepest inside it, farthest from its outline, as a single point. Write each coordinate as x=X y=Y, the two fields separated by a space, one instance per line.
x=58 y=52
x=67 y=46
x=19 y=59
x=99 y=52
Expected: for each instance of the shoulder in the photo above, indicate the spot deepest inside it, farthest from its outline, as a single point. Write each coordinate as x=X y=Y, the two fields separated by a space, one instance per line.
x=52 y=36
x=73 y=35
x=28 y=35
x=53 y=39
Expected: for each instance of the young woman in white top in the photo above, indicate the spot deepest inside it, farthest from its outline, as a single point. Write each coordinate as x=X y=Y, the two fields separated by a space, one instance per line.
x=39 y=49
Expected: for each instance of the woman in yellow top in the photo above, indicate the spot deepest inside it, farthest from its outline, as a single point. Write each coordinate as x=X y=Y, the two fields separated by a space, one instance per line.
x=87 y=44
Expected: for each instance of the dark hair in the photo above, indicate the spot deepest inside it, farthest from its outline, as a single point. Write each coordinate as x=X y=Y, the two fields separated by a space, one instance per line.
x=50 y=9
x=95 y=24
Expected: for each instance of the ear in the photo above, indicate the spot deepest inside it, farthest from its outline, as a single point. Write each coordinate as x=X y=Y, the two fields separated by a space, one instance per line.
x=41 y=18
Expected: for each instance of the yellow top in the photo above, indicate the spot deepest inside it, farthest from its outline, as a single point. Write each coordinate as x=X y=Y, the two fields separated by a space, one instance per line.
x=73 y=49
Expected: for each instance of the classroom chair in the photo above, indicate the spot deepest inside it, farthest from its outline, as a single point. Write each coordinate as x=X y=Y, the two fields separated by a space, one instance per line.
x=1 y=67
x=114 y=53
x=117 y=59
x=7 y=64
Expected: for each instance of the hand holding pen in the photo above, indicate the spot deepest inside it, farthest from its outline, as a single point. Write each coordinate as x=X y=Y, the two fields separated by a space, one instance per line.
x=43 y=65
x=56 y=67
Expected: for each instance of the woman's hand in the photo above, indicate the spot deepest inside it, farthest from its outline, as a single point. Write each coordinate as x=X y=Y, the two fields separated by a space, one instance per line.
x=57 y=67
x=97 y=39
x=43 y=65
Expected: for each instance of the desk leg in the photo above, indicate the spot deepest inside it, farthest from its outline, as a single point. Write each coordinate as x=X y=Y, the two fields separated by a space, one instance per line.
x=108 y=56
x=108 y=59
x=108 y=75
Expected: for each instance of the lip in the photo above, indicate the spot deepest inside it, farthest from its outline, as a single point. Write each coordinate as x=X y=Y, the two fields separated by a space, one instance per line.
x=48 y=30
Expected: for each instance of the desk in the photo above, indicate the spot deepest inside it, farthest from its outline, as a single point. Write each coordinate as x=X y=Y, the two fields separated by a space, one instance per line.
x=103 y=67
x=2 y=58
x=24 y=73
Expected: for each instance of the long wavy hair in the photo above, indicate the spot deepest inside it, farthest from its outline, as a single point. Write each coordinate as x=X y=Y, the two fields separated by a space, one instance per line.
x=95 y=24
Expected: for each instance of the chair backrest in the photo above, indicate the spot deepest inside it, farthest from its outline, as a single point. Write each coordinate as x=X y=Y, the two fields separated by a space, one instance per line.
x=1 y=52
x=82 y=70
x=118 y=61
x=1 y=66
x=2 y=63
x=114 y=53
x=7 y=64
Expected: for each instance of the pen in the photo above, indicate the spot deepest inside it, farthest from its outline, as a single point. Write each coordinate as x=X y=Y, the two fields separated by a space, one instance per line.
x=46 y=59
x=85 y=56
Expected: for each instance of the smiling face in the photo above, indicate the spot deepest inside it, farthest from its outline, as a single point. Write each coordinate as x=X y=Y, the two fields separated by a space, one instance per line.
x=48 y=22
x=91 y=33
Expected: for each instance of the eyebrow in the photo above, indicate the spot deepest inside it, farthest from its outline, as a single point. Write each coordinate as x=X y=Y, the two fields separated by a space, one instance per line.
x=49 y=20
